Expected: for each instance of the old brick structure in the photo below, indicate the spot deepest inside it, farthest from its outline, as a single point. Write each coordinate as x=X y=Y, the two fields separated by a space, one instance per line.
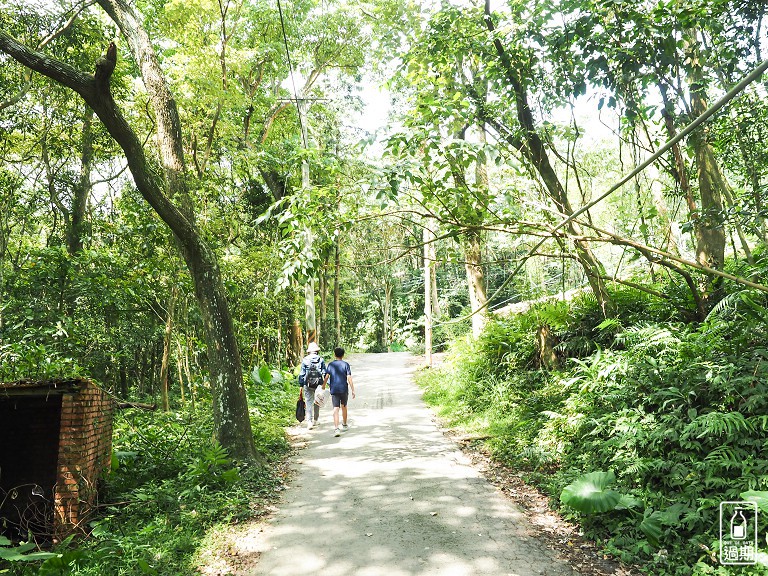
x=57 y=442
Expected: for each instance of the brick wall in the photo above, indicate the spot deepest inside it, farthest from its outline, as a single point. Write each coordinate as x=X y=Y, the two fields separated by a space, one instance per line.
x=85 y=448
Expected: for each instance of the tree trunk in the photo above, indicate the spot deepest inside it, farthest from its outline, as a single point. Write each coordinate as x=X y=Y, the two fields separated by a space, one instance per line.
x=337 y=294
x=428 y=269
x=323 y=325
x=230 y=409
x=309 y=308
x=545 y=344
x=123 y=379
x=295 y=343
x=310 y=313
x=435 y=297
x=188 y=372
x=478 y=299
x=83 y=188
x=179 y=371
x=710 y=237
x=165 y=363
x=534 y=151
x=386 y=327
x=473 y=257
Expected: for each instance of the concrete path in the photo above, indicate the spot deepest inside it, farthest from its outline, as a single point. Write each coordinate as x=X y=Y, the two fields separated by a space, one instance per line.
x=393 y=497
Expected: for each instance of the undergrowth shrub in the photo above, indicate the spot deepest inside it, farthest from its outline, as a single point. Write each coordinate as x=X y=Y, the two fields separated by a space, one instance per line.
x=677 y=413
x=170 y=484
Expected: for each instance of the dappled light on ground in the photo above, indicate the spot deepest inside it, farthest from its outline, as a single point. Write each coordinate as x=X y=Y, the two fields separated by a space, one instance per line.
x=393 y=497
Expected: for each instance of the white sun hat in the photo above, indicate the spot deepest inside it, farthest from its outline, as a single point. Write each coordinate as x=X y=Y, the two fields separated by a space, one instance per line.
x=313 y=347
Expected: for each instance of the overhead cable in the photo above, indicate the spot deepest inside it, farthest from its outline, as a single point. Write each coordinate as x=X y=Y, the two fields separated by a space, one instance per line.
x=290 y=71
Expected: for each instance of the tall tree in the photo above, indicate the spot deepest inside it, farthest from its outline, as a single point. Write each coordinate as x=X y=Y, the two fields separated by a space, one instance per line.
x=231 y=419
x=527 y=139
x=631 y=50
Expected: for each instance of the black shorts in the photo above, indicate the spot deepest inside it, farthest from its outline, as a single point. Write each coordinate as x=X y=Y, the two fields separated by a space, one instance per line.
x=339 y=399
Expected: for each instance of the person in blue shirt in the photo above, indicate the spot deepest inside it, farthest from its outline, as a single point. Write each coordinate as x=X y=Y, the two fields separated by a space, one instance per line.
x=339 y=373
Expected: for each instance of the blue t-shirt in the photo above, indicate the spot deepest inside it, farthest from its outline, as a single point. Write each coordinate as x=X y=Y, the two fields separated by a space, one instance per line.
x=338 y=371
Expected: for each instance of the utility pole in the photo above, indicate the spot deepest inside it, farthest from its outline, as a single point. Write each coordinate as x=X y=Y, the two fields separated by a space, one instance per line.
x=428 y=260
x=309 y=288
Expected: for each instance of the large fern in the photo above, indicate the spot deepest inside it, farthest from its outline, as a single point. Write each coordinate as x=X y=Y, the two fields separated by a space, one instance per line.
x=747 y=304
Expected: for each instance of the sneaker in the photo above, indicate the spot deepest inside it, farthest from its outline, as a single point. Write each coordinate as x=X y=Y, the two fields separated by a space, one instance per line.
x=344 y=427
x=337 y=432
x=310 y=425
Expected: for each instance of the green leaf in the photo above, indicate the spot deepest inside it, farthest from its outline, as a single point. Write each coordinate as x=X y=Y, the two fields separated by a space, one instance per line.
x=589 y=493
x=145 y=567
x=21 y=552
x=265 y=375
x=760 y=497
x=627 y=502
x=651 y=527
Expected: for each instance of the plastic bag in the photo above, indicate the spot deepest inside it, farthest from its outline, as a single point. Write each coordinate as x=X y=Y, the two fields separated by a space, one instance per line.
x=321 y=397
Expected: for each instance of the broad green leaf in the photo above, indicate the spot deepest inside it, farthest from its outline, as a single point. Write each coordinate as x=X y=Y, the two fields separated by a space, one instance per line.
x=265 y=375
x=589 y=493
x=627 y=502
x=760 y=497
x=651 y=527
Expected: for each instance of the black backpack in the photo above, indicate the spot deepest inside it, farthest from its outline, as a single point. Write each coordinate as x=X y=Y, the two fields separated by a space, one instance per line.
x=314 y=376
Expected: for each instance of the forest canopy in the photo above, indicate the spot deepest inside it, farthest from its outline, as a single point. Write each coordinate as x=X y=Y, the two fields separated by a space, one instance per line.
x=190 y=193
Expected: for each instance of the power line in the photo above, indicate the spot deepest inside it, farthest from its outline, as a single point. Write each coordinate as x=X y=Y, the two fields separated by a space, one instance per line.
x=290 y=71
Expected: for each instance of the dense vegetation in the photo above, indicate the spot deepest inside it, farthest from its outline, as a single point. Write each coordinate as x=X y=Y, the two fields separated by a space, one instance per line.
x=676 y=411
x=170 y=489
x=190 y=192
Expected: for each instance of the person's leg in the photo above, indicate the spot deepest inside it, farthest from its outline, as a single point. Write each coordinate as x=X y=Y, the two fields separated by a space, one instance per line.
x=309 y=399
x=336 y=403
x=343 y=399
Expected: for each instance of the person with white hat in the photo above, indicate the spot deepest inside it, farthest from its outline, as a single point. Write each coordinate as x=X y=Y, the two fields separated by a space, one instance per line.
x=310 y=377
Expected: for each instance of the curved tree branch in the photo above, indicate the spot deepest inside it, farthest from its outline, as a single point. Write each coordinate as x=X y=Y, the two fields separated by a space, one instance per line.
x=230 y=408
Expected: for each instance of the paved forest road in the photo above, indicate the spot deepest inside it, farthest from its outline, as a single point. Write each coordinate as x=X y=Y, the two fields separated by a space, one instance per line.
x=393 y=497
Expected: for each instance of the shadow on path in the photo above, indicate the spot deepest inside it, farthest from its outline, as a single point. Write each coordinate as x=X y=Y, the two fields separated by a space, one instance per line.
x=394 y=497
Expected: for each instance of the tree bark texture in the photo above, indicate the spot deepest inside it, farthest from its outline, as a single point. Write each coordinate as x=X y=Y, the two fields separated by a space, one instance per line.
x=478 y=298
x=322 y=279
x=337 y=293
x=166 y=361
x=295 y=342
x=428 y=272
x=310 y=314
x=386 y=332
x=710 y=231
x=83 y=188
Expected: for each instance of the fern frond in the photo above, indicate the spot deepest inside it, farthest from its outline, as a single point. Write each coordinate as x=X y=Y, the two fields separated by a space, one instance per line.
x=714 y=424
x=647 y=336
x=747 y=303
x=725 y=308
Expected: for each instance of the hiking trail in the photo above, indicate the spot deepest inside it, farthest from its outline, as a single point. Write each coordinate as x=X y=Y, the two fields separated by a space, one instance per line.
x=392 y=496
